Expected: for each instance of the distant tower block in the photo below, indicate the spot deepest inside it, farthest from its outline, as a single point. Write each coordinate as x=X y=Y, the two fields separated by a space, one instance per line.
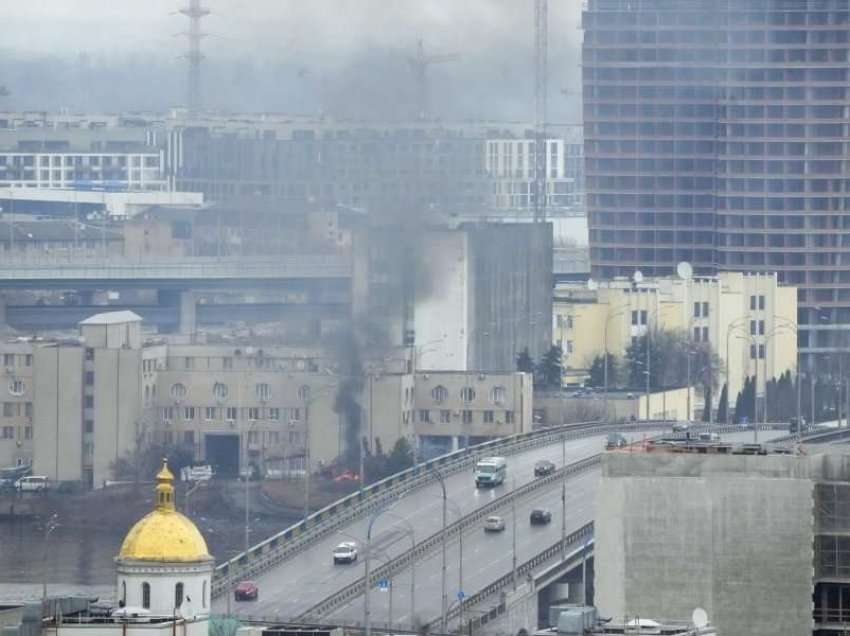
x=195 y=12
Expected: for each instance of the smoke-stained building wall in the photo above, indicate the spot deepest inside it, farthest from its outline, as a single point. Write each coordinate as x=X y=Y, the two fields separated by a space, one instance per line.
x=511 y=293
x=716 y=133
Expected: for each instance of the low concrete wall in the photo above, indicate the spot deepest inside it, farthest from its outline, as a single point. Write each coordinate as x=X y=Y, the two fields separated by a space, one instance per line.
x=731 y=534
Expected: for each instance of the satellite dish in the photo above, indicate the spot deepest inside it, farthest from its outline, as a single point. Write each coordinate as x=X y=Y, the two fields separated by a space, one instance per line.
x=699 y=618
x=592 y=285
x=684 y=270
x=638 y=276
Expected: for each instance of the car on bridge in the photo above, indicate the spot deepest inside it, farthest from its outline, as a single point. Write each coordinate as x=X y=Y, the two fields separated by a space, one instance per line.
x=345 y=552
x=615 y=440
x=681 y=427
x=540 y=517
x=246 y=591
x=543 y=467
x=494 y=523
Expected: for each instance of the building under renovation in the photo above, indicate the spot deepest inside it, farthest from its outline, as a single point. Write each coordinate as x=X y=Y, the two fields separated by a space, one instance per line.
x=756 y=540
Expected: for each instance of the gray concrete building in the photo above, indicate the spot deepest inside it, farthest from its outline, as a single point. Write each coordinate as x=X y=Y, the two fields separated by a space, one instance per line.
x=757 y=541
x=716 y=133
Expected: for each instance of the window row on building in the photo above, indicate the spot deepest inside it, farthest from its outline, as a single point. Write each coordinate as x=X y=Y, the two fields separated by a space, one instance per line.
x=466 y=416
x=230 y=413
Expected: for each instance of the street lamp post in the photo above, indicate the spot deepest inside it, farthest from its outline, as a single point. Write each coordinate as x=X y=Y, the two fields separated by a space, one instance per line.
x=367 y=616
x=445 y=598
x=50 y=526
x=605 y=355
x=735 y=324
x=247 y=476
x=412 y=534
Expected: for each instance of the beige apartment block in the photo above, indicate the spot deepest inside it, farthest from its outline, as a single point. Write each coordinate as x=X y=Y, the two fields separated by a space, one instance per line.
x=455 y=409
x=749 y=320
x=16 y=393
x=109 y=393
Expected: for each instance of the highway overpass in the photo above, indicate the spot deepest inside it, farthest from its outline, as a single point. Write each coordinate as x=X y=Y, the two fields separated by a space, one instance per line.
x=308 y=586
x=194 y=273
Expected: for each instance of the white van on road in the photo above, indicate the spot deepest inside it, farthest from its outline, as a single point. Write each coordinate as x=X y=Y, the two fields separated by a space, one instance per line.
x=490 y=471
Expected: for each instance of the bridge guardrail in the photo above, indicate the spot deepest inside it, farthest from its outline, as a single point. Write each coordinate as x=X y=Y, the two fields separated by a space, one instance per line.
x=389 y=570
x=281 y=546
x=577 y=537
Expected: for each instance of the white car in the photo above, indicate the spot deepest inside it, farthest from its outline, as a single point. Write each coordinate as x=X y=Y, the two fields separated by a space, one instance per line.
x=345 y=552
x=494 y=524
x=32 y=484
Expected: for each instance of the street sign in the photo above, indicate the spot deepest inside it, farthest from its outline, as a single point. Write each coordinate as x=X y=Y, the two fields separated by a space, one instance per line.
x=383 y=585
x=461 y=595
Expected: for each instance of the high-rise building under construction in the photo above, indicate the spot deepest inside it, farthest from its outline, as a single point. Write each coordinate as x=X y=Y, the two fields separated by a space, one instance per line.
x=716 y=132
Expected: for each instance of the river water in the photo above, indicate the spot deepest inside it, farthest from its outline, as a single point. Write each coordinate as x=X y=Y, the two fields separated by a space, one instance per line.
x=85 y=556
x=73 y=556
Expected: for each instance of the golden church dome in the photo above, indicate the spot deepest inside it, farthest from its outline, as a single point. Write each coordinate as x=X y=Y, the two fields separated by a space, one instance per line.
x=164 y=534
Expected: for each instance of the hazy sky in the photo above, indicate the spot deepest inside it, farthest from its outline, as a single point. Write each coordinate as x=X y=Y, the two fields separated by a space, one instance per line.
x=317 y=40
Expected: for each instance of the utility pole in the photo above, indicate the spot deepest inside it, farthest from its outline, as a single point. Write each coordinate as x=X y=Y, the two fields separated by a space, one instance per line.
x=195 y=12
x=541 y=69
x=564 y=497
x=513 y=533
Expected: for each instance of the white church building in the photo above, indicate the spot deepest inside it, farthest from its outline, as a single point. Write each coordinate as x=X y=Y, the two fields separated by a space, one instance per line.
x=164 y=572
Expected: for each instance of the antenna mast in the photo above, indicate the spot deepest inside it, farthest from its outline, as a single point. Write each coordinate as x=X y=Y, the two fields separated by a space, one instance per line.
x=195 y=12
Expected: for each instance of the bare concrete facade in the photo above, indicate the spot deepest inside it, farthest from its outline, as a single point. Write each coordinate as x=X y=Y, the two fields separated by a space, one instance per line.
x=730 y=534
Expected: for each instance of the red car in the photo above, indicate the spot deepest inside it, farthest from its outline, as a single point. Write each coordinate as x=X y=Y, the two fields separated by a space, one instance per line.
x=246 y=591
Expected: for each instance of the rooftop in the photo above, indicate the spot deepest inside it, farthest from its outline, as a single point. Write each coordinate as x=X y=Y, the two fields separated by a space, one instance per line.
x=112 y=318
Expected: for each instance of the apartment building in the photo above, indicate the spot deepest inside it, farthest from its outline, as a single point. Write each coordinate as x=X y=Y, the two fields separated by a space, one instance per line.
x=748 y=319
x=715 y=133
x=457 y=409
x=16 y=393
x=75 y=406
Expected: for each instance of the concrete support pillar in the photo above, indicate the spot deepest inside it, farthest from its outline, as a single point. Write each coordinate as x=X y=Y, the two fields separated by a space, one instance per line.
x=187 y=313
x=184 y=302
x=3 y=300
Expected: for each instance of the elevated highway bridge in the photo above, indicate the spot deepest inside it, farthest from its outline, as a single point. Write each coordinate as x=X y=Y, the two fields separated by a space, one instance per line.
x=300 y=582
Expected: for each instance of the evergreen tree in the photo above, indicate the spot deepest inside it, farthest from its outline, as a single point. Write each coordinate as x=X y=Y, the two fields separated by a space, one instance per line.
x=597 y=371
x=723 y=404
x=739 y=406
x=706 y=411
x=550 y=369
x=524 y=363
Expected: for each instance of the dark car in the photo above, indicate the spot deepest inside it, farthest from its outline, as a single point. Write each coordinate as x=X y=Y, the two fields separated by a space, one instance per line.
x=540 y=517
x=246 y=591
x=615 y=440
x=543 y=467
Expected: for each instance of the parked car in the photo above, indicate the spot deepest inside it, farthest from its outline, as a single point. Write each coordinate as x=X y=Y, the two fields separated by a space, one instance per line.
x=540 y=517
x=494 y=524
x=615 y=440
x=6 y=485
x=681 y=427
x=33 y=483
x=543 y=467
x=345 y=552
x=347 y=475
x=246 y=591
x=709 y=437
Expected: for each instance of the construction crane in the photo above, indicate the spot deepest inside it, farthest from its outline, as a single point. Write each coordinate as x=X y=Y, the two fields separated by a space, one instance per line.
x=419 y=66
x=541 y=71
